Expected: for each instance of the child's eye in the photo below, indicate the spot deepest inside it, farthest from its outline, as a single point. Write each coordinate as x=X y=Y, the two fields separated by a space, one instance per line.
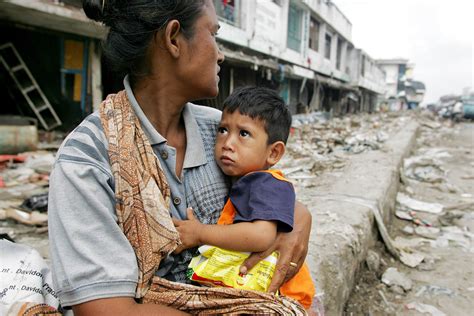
x=221 y=130
x=244 y=133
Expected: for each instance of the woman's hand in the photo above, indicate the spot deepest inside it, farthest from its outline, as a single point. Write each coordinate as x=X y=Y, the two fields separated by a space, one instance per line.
x=188 y=231
x=292 y=248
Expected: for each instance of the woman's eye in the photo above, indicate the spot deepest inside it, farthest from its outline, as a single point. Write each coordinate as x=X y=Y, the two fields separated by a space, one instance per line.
x=244 y=133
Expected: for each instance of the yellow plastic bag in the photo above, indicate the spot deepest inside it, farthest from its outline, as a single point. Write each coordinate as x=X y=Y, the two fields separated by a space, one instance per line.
x=219 y=267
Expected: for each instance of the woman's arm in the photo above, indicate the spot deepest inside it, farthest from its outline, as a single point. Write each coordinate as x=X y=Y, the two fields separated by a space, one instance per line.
x=247 y=236
x=125 y=306
x=292 y=247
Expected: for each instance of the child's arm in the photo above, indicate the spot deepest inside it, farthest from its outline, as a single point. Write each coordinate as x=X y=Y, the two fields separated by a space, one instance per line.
x=248 y=236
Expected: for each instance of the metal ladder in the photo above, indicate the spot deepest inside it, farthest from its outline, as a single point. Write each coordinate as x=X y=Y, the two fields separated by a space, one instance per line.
x=28 y=86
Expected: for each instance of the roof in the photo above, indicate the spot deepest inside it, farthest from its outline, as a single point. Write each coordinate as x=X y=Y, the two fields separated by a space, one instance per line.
x=417 y=85
x=393 y=61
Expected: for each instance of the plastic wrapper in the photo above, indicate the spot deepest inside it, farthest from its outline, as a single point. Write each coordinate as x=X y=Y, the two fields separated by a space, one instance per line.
x=219 y=267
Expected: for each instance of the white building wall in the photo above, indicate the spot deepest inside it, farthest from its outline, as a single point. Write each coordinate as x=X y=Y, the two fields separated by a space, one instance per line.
x=264 y=28
x=331 y=15
x=373 y=78
x=233 y=34
x=270 y=26
x=391 y=79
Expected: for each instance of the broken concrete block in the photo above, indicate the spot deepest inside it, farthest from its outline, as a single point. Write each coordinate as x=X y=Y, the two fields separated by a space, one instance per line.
x=392 y=277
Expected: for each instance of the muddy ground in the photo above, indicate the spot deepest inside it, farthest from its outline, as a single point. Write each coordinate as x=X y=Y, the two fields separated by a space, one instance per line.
x=443 y=283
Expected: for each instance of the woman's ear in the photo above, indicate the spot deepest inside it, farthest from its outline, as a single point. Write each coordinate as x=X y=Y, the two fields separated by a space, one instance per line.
x=171 y=34
x=277 y=150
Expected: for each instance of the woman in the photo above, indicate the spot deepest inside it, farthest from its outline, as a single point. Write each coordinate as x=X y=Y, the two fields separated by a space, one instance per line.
x=146 y=149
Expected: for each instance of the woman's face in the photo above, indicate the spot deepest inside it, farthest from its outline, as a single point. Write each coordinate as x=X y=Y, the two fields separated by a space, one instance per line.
x=202 y=56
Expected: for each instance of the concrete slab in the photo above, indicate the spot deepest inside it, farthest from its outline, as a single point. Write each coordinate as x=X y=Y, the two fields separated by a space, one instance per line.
x=343 y=223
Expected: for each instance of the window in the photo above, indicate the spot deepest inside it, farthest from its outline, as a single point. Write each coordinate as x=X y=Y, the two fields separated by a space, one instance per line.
x=339 y=54
x=348 y=60
x=228 y=10
x=327 y=46
x=314 y=34
x=402 y=69
x=362 y=68
x=294 y=28
x=74 y=65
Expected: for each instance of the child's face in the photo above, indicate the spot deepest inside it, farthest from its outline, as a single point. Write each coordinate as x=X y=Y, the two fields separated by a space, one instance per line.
x=241 y=145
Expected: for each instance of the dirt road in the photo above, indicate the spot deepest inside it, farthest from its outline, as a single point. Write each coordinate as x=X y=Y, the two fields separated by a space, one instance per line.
x=443 y=283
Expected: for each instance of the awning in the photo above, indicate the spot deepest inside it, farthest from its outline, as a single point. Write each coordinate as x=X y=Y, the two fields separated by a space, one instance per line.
x=47 y=14
x=333 y=83
x=238 y=56
x=303 y=72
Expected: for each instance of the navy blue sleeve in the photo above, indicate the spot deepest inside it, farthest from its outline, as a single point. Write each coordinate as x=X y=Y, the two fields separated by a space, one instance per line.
x=260 y=196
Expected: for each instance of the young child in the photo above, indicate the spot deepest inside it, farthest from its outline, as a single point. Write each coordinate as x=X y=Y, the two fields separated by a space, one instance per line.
x=251 y=138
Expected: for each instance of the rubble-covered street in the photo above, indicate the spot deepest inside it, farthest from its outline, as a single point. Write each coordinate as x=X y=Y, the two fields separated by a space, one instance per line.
x=434 y=223
x=431 y=227
x=317 y=145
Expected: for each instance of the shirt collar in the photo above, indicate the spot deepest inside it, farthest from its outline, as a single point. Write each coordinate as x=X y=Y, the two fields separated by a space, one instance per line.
x=195 y=154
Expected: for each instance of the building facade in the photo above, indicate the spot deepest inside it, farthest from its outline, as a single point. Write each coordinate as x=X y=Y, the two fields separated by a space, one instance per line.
x=402 y=91
x=301 y=48
x=60 y=49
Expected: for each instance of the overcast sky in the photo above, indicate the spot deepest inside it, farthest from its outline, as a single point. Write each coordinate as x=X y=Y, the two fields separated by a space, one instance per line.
x=436 y=35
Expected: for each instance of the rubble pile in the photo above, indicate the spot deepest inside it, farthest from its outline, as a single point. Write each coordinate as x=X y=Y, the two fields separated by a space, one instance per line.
x=317 y=144
x=438 y=225
x=435 y=223
x=24 y=181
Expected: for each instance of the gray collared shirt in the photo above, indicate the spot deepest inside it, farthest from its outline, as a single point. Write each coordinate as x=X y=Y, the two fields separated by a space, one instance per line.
x=195 y=155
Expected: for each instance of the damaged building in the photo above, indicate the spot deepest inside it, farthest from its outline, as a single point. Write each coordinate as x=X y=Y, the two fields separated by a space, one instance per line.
x=51 y=61
x=402 y=91
x=301 y=48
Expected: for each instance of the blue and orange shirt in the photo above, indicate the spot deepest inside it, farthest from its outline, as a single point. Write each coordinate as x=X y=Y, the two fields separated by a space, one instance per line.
x=261 y=195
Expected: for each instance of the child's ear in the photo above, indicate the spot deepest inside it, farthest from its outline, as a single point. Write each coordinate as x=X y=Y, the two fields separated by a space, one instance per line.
x=277 y=150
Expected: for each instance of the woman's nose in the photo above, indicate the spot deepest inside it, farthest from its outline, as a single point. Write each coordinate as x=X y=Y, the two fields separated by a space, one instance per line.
x=220 y=56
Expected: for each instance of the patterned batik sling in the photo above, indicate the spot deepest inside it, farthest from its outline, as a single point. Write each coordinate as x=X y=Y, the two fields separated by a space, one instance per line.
x=32 y=309
x=142 y=199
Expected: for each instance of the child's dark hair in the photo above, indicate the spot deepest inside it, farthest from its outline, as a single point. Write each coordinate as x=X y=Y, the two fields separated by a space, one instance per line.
x=263 y=104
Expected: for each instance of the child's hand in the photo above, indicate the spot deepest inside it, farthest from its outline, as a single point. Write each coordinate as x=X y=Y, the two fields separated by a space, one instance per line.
x=188 y=231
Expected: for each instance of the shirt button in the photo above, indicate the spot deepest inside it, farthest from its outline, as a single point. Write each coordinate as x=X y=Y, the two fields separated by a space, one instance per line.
x=164 y=154
x=177 y=201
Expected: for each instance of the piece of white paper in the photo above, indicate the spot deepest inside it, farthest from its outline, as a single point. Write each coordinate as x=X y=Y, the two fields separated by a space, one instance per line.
x=416 y=205
x=24 y=277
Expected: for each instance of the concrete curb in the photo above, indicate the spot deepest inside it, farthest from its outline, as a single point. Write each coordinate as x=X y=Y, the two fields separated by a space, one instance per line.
x=343 y=228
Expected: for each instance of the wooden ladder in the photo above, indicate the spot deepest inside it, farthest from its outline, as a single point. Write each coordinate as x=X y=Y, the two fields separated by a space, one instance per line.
x=28 y=86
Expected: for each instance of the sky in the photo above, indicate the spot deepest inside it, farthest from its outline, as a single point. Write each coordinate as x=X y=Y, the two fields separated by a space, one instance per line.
x=436 y=35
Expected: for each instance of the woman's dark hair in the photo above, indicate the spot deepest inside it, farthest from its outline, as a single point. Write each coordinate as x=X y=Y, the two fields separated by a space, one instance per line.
x=132 y=25
x=262 y=104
